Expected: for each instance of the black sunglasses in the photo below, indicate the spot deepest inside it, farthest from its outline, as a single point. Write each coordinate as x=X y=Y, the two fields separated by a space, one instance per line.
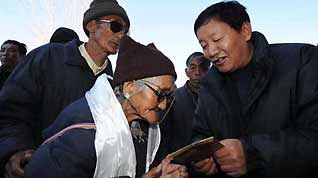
x=161 y=94
x=115 y=26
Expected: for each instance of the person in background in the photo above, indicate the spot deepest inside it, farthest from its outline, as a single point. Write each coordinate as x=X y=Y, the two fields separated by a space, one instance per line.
x=11 y=53
x=63 y=35
x=177 y=126
x=51 y=77
x=107 y=134
x=259 y=100
x=181 y=114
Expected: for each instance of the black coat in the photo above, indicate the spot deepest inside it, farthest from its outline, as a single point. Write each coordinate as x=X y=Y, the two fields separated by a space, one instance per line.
x=51 y=77
x=4 y=74
x=278 y=125
x=177 y=127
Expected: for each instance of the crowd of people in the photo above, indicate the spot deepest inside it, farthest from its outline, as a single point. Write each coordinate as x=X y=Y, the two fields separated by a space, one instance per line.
x=64 y=113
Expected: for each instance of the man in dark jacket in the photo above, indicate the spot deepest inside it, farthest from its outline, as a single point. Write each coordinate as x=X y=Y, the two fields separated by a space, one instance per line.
x=260 y=100
x=179 y=119
x=177 y=127
x=11 y=53
x=51 y=77
x=106 y=135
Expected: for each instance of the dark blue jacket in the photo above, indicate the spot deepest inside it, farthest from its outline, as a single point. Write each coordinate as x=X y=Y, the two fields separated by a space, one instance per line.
x=51 y=77
x=73 y=154
x=278 y=125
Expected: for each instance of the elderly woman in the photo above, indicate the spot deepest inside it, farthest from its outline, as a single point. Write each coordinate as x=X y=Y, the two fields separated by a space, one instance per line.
x=112 y=134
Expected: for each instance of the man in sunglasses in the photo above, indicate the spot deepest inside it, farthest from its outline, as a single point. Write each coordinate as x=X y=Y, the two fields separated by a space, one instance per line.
x=113 y=134
x=51 y=77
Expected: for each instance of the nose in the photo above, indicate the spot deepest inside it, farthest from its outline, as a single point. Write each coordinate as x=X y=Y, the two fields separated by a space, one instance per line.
x=163 y=104
x=211 y=51
x=196 y=71
x=121 y=34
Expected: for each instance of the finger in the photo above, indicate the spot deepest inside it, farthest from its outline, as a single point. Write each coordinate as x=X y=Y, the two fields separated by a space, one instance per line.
x=233 y=174
x=165 y=161
x=183 y=169
x=205 y=168
x=229 y=168
x=201 y=163
x=155 y=172
x=225 y=161
x=172 y=168
x=184 y=174
x=212 y=170
x=221 y=153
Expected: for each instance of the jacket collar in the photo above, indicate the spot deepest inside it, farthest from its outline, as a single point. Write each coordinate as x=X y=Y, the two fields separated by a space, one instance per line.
x=262 y=64
x=73 y=54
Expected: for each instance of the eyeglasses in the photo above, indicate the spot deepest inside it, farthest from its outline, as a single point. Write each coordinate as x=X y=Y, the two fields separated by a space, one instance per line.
x=115 y=26
x=161 y=94
x=170 y=101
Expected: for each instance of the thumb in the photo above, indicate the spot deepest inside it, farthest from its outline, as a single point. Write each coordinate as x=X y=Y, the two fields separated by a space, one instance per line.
x=156 y=171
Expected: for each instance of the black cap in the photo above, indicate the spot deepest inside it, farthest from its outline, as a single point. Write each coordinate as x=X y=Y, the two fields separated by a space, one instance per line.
x=136 y=61
x=100 y=8
x=63 y=35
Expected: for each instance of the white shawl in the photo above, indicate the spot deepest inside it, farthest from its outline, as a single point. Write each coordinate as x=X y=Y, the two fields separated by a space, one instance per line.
x=114 y=147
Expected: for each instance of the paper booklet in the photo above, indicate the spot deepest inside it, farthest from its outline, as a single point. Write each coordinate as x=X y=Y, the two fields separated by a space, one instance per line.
x=196 y=151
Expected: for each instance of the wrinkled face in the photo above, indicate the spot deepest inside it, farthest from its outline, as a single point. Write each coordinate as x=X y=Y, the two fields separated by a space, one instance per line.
x=104 y=33
x=196 y=70
x=225 y=47
x=10 y=55
x=150 y=96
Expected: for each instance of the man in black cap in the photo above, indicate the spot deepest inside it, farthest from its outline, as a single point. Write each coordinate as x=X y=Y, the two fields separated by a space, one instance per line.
x=117 y=134
x=51 y=77
x=63 y=35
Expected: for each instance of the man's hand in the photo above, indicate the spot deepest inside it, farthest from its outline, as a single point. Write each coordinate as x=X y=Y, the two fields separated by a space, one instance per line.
x=231 y=158
x=206 y=166
x=14 y=167
x=167 y=170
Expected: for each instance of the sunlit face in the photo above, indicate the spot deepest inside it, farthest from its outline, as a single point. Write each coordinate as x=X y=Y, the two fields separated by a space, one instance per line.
x=226 y=48
x=196 y=70
x=107 y=40
x=9 y=54
x=146 y=101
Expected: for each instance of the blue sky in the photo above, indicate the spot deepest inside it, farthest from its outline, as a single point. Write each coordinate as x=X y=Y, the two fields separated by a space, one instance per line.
x=167 y=23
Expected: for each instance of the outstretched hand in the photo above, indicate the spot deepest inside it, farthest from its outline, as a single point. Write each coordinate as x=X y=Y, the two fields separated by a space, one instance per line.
x=167 y=170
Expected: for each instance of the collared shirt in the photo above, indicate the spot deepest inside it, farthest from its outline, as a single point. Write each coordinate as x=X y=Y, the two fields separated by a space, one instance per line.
x=96 y=69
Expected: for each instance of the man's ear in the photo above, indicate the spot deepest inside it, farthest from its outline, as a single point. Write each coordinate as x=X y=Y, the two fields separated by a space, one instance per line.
x=128 y=88
x=246 y=31
x=186 y=72
x=91 y=26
